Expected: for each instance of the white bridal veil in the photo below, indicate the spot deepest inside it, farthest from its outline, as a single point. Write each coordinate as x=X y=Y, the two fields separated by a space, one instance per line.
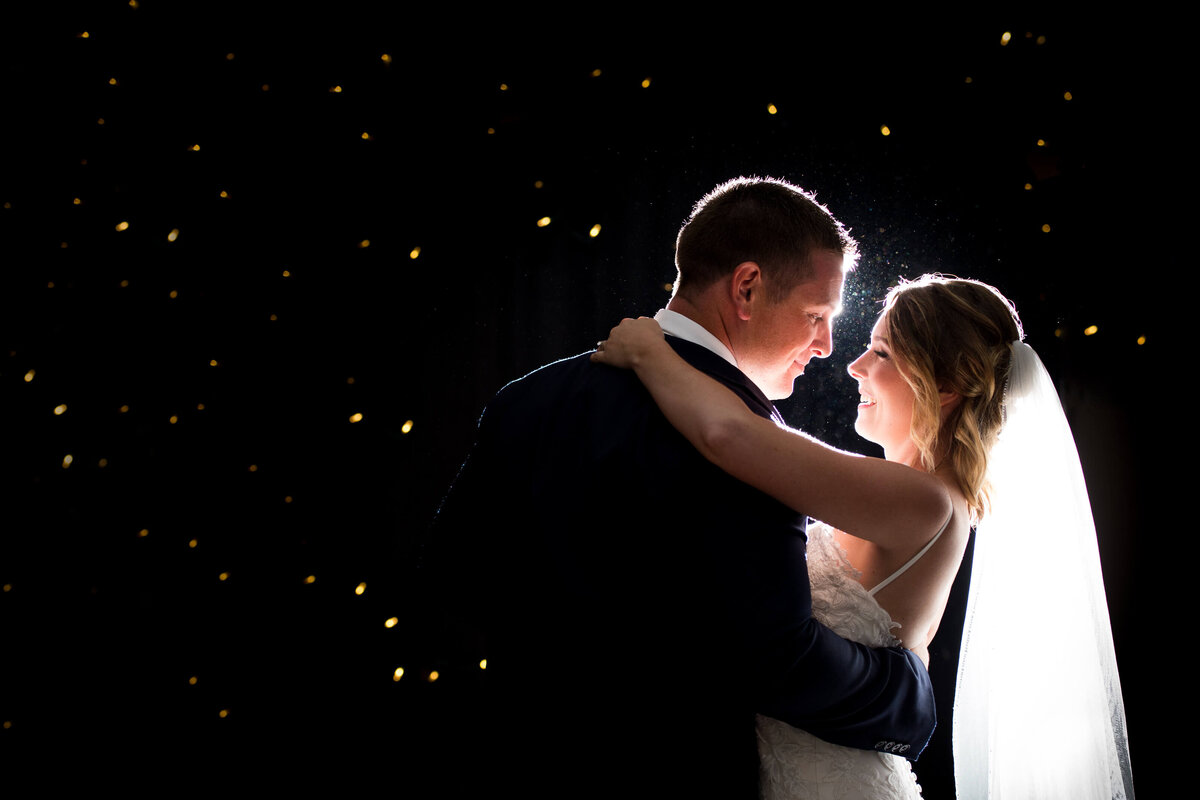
x=1038 y=710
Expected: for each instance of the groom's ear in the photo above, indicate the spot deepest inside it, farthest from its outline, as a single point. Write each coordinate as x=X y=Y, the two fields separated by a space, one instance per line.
x=746 y=288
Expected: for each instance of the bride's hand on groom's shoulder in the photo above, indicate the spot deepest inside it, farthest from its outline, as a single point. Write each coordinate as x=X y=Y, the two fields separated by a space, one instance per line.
x=628 y=343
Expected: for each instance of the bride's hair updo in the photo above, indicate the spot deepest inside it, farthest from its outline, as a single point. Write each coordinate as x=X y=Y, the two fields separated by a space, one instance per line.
x=954 y=335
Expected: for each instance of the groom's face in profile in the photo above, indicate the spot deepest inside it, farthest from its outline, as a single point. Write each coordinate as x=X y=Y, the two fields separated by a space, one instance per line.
x=781 y=338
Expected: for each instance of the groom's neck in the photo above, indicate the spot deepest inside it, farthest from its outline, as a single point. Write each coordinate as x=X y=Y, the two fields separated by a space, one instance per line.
x=702 y=312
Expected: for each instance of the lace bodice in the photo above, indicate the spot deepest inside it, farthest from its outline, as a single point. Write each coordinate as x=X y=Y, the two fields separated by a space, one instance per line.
x=799 y=766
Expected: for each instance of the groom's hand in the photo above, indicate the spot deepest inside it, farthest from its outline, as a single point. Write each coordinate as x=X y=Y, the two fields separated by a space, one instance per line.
x=922 y=652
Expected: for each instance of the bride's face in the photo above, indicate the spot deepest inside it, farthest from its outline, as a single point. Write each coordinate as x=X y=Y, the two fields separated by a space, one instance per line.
x=886 y=407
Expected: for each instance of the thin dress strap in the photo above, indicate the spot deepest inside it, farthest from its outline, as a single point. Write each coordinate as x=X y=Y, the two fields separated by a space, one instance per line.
x=912 y=560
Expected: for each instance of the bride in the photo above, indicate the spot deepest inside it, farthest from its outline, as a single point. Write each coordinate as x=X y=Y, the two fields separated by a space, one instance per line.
x=949 y=389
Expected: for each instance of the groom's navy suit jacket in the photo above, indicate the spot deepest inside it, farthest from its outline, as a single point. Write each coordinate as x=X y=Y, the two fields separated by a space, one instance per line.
x=637 y=606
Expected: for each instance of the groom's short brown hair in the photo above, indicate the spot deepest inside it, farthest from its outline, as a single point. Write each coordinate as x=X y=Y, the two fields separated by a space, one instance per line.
x=768 y=221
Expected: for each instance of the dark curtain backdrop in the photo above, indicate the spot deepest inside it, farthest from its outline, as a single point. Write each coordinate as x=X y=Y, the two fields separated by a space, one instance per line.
x=229 y=230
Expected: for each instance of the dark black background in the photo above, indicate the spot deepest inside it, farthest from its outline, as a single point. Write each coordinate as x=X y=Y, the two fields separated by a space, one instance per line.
x=479 y=125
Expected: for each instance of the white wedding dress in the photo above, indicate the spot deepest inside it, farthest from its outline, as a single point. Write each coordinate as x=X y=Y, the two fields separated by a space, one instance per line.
x=799 y=766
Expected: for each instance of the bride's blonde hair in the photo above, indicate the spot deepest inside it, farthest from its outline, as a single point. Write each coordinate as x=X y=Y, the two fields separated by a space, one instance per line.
x=954 y=335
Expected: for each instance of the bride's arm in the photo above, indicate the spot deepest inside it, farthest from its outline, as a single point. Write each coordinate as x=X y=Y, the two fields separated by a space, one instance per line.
x=887 y=503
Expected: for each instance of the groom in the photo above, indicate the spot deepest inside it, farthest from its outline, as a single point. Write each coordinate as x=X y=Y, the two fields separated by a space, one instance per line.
x=636 y=605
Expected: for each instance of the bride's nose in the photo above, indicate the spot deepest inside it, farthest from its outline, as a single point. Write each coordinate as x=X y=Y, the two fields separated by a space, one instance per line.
x=857 y=368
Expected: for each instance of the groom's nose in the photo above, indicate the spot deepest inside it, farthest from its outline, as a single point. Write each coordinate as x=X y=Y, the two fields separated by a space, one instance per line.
x=822 y=343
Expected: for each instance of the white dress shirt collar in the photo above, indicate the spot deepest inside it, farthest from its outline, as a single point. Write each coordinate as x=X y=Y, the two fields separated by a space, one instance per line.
x=677 y=324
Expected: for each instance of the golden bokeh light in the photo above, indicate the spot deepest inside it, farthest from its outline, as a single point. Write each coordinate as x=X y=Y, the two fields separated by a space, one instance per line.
x=595 y=231
x=398 y=674
x=414 y=253
x=645 y=83
x=67 y=459
x=60 y=409
x=885 y=130
x=483 y=664
x=310 y=579
x=391 y=622
x=771 y=109
x=143 y=533
x=173 y=235
x=1005 y=38
x=356 y=417
x=1046 y=228
x=1090 y=330
x=543 y=222
x=224 y=576
x=1141 y=340
x=433 y=676
x=29 y=376
x=407 y=426
x=192 y=680
x=361 y=588
x=122 y=226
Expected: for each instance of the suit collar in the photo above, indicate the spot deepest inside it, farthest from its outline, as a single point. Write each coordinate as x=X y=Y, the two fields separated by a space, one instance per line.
x=718 y=368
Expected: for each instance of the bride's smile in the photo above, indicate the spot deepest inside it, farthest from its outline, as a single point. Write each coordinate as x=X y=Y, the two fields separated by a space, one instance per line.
x=885 y=399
